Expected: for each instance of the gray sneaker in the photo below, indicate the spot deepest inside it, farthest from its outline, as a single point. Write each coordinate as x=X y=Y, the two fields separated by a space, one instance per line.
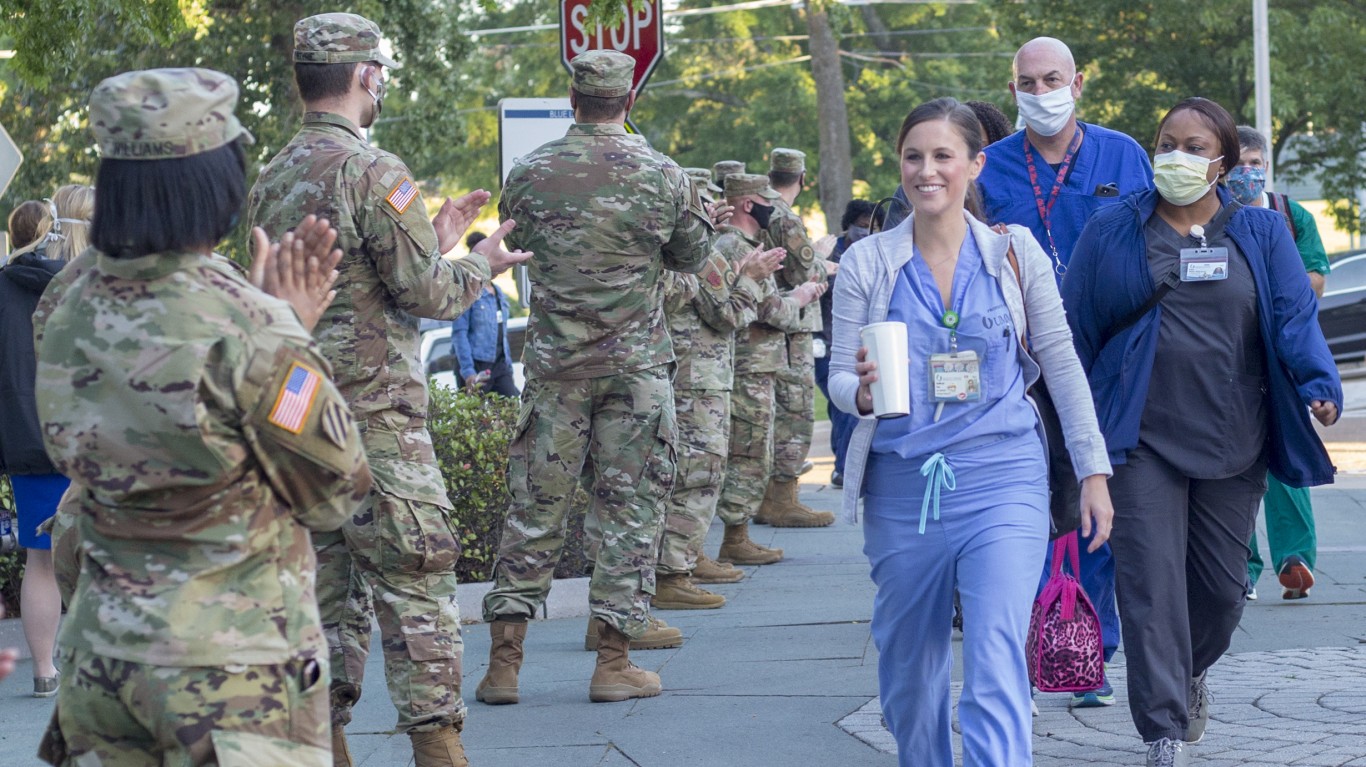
x=1167 y=753
x=1197 y=709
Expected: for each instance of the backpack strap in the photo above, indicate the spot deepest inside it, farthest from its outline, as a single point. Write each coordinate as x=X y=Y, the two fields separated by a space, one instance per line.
x=1015 y=267
x=1281 y=203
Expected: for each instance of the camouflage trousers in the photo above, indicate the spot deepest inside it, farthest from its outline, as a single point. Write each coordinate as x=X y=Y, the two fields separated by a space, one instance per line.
x=795 y=418
x=703 y=431
x=394 y=562
x=626 y=423
x=115 y=713
x=750 y=455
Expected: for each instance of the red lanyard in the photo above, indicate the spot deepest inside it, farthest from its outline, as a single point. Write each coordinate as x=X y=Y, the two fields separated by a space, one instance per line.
x=1046 y=209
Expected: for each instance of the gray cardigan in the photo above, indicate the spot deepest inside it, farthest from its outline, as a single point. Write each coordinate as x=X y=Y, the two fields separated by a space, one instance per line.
x=864 y=288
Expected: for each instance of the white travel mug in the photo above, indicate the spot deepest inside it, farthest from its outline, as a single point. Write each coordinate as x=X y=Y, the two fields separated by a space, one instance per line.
x=886 y=345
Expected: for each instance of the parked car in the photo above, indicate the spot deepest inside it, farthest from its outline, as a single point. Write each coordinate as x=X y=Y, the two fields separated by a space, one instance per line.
x=439 y=360
x=1342 y=310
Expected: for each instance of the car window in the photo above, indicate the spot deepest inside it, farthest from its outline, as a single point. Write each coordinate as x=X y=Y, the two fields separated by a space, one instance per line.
x=1348 y=274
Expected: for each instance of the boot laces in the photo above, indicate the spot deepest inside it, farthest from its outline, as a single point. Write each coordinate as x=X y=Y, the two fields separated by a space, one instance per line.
x=1200 y=697
x=1162 y=753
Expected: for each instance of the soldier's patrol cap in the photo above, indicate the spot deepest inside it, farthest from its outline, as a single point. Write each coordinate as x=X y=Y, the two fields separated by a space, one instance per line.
x=741 y=184
x=720 y=170
x=787 y=160
x=160 y=114
x=701 y=177
x=606 y=74
x=338 y=38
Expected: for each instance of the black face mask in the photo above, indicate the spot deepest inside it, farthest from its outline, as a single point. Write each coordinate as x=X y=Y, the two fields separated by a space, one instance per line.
x=762 y=213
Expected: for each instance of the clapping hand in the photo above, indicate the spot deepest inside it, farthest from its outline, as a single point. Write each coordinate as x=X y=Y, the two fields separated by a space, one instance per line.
x=455 y=217
x=758 y=264
x=719 y=212
x=491 y=248
x=300 y=269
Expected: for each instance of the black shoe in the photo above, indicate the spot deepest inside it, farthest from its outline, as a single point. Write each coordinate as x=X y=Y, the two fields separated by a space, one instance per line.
x=837 y=479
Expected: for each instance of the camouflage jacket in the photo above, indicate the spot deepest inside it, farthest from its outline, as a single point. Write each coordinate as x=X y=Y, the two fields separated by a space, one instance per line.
x=391 y=274
x=605 y=215
x=787 y=230
x=719 y=301
x=204 y=438
x=762 y=347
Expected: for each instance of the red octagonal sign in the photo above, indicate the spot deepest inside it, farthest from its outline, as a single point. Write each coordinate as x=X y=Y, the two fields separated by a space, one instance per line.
x=640 y=36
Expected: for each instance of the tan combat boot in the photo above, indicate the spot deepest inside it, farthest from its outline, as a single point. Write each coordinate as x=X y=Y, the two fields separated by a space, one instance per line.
x=499 y=684
x=341 y=754
x=676 y=591
x=738 y=549
x=771 y=506
x=790 y=512
x=708 y=570
x=439 y=748
x=658 y=636
x=616 y=678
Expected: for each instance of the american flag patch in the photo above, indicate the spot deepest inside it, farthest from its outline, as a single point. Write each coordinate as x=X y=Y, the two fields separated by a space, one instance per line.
x=402 y=196
x=295 y=398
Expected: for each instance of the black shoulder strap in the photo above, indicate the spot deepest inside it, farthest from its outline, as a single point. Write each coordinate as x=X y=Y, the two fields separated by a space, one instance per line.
x=1281 y=203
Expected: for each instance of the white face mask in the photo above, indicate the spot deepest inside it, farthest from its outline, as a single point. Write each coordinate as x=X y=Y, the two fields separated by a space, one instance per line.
x=1046 y=114
x=1180 y=177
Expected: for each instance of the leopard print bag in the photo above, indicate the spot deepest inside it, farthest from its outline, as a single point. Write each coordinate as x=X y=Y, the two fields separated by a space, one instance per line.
x=1064 y=649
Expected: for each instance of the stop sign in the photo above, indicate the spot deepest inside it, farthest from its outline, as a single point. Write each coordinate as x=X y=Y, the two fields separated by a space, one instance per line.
x=640 y=35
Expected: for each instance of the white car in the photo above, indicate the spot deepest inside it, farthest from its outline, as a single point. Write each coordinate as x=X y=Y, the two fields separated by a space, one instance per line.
x=439 y=360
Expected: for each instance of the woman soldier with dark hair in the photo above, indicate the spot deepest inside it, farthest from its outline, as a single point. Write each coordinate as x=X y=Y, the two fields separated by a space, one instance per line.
x=204 y=439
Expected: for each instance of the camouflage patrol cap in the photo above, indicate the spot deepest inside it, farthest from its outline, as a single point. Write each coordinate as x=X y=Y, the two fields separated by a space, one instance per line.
x=603 y=73
x=159 y=114
x=701 y=177
x=787 y=161
x=741 y=184
x=720 y=170
x=338 y=38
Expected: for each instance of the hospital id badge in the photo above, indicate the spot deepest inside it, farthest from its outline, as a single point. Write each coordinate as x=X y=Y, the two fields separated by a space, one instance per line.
x=1204 y=264
x=955 y=377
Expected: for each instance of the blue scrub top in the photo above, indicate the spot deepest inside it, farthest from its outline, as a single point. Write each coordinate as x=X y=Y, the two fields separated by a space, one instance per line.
x=985 y=327
x=1104 y=157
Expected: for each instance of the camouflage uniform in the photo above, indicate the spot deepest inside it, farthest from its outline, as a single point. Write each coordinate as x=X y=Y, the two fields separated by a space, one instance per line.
x=605 y=215
x=724 y=168
x=701 y=181
x=204 y=439
x=400 y=547
x=715 y=303
x=760 y=352
x=795 y=386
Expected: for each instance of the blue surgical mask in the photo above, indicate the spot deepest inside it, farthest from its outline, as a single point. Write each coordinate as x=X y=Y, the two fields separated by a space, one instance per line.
x=1246 y=183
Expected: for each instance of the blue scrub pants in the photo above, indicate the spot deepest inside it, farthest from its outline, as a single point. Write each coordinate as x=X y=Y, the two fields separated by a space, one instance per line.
x=992 y=528
x=841 y=423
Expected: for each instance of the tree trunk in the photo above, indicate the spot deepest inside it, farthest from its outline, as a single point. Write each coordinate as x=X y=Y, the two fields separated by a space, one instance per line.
x=836 y=179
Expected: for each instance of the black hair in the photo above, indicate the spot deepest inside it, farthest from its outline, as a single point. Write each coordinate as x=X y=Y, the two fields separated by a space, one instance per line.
x=323 y=81
x=962 y=118
x=779 y=179
x=154 y=206
x=475 y=238
x=994 y=122
x=598 y=108
x=855 y=210
x=1218 y=119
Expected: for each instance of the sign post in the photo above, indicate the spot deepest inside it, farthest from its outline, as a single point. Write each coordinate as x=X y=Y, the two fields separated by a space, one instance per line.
x=640 y=36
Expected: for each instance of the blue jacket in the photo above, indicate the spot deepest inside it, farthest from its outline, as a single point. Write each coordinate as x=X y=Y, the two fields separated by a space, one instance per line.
x=474 y=334
x=1109 y=278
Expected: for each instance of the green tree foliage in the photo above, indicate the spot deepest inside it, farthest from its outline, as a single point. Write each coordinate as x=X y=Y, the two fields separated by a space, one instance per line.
x=65 y=47
x=1140 y=58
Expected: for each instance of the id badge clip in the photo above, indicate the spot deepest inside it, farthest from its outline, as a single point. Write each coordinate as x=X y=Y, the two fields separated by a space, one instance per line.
x=1204 y=264
x=955 y=377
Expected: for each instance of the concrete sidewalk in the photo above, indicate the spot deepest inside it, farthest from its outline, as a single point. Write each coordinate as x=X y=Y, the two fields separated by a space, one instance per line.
x=786 y=674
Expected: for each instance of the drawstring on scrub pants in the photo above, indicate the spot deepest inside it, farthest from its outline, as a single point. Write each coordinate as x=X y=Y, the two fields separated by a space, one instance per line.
x=940 y=475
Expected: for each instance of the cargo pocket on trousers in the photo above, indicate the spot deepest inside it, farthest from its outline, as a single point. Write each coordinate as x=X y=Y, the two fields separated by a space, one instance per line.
x=249 y=749
x=747 y=439
x=415 y=537
x=698 y=468
x=661 y=465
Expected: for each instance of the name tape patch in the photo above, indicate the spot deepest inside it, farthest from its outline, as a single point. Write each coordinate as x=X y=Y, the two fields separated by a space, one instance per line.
x=402 y=196
x=295 y=398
